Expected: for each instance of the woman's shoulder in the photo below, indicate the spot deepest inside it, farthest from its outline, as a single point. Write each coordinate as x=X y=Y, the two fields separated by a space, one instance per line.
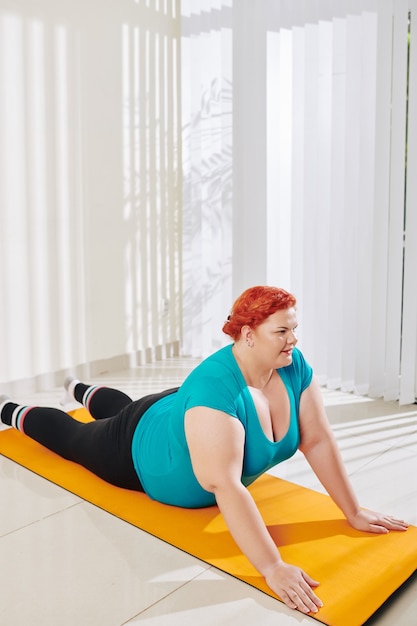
x=214 y=383
x=217 y=371
x=216 y=364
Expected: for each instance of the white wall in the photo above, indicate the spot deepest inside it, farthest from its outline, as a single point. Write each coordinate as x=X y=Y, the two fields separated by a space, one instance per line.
x=90 y=186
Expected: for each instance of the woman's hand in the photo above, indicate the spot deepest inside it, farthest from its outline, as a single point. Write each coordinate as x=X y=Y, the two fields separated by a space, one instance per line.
x=371 y=522
x=294 y=587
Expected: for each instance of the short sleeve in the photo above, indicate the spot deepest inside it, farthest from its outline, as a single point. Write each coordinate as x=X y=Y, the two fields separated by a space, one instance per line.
x=299 y=374
x=212 y=392
x=305 y=371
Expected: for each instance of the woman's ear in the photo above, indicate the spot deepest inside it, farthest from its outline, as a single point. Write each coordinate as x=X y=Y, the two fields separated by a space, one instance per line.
x=247 y=335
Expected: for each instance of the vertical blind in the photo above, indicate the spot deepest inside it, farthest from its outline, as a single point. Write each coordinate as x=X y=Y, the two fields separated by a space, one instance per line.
x=90 y=187
x=324 y=130
x=206 y=75
x=151 y=181
x=408 y=352
x=298 y=151
x=326 y=148
x=40 y=205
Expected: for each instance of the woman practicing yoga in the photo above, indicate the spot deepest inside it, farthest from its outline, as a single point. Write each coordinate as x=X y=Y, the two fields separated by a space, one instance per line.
x=243 y=410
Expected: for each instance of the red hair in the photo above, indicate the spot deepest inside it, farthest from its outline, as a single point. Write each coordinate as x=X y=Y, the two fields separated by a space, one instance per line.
x=253 y=307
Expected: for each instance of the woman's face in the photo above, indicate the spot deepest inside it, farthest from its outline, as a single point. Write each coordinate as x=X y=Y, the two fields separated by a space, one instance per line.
x=275 y=338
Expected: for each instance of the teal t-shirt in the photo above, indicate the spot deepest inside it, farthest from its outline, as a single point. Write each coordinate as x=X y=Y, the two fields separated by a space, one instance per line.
x=159 y=448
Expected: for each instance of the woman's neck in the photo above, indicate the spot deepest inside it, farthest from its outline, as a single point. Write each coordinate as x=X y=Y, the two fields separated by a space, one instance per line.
x=253 y=373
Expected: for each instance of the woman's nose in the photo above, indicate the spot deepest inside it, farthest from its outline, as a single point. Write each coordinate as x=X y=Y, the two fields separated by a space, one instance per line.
x=292 y=338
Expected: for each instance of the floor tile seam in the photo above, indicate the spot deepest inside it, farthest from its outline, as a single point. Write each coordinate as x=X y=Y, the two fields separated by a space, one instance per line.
x=374 y=458
x=400 y=446
x=367 y=439
x=373 y=425
x=33 y=523
x=357 y=429
x=384 y=432
x=166 y=595
x=360 y=443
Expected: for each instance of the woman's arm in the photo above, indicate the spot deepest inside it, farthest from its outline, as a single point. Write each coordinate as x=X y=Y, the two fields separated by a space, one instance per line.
x=216 y=443
x=322 y=453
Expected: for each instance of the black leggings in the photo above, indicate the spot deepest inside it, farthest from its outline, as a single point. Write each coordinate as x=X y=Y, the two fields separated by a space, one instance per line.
x=103 y=446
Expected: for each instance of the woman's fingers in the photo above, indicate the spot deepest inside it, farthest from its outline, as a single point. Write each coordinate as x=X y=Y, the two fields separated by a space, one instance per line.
x=369 y=521
x=305 y=601
x=395 y=524
x=294 y=587
x=310 y=581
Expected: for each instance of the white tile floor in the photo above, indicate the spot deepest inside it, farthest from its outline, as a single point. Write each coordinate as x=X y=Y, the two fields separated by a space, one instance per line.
x=63 y=562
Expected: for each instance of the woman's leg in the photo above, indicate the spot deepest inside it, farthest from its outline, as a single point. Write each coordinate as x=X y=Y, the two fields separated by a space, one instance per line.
x=100 y=401
x=103 y=446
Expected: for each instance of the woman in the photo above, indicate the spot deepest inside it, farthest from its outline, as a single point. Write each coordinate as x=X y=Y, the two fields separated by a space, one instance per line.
x=243 y=410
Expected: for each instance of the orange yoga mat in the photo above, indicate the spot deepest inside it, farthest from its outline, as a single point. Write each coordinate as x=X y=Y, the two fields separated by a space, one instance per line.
x=357 y=571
